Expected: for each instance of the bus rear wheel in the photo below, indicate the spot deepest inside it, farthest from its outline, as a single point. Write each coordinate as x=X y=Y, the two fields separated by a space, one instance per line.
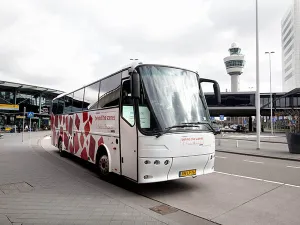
x=103 y=166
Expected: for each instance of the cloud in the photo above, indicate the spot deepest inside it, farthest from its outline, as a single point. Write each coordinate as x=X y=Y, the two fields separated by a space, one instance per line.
x=66 y=44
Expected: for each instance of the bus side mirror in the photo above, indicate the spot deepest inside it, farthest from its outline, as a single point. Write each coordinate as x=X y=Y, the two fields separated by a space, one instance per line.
x=216 y=88
x=217 y=92
x=135 y=84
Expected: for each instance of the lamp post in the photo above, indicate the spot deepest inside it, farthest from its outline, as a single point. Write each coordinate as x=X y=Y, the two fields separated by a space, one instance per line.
x=257 y=95
x=271 y=101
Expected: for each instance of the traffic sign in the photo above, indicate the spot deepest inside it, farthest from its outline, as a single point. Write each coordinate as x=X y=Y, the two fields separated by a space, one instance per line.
x=222 y=117
x=30 y=114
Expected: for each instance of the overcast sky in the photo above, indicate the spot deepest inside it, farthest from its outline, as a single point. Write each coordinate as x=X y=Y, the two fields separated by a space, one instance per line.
x=65 y=44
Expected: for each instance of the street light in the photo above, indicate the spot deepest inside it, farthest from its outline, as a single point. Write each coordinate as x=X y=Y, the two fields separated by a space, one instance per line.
x=257 y=95
x=271 y=118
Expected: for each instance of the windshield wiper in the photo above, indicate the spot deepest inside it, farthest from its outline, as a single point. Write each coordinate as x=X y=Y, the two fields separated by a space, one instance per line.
x=203 y=123
x=176 y=126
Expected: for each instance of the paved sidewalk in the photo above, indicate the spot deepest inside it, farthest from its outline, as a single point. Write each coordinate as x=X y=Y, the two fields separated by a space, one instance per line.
x=246 y=147
x=38 y=188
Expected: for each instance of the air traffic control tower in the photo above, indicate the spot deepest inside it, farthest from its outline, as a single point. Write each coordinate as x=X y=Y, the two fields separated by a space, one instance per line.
x=234 y=66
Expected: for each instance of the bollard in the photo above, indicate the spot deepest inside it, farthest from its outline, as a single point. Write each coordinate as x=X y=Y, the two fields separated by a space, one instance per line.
x=237 y=143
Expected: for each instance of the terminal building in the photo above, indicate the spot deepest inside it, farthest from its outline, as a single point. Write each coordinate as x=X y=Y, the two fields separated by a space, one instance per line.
x=14 y=97
x=290 y=37
x=242 y=104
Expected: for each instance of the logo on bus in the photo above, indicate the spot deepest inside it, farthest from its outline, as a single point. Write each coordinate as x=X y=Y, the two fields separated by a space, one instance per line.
x=105 y=117
x=191 y=140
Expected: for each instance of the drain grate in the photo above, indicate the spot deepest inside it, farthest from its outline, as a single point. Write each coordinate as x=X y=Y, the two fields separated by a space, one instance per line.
x=164 y=209
x=19 y=187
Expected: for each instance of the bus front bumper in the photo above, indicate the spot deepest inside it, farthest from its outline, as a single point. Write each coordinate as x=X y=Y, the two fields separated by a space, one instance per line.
x=162 y=169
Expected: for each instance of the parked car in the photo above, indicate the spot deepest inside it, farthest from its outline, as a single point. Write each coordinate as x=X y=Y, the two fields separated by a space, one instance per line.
x=240 y=128
x=216 y=127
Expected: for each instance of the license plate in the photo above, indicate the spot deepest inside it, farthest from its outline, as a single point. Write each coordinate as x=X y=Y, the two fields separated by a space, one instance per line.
x=187 y=173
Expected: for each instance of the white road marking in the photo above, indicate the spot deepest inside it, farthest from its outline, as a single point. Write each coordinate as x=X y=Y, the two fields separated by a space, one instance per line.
x=258 y=179
x=295 y=167
x=250 y=136
x=253 y=161
x=221 y=157
x=291 y=185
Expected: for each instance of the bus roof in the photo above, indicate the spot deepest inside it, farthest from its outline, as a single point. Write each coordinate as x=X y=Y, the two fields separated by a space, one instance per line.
x=131 y=66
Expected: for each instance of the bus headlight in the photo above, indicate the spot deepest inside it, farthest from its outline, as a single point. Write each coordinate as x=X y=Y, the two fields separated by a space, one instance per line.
x=147 y=162
x=148 y=176
x=156 y=162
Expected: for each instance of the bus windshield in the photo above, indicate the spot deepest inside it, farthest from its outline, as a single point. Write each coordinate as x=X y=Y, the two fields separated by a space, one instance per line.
x=174 y=96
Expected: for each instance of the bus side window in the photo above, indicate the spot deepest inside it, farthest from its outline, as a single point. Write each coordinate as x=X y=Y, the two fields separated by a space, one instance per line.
x=54 y=107
x=68 y=103
x=77 y=102
x=109 y=95
x=91 y=96
x=127 y=103
x=60 y=106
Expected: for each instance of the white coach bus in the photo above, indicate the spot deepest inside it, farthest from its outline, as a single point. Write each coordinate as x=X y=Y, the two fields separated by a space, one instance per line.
x=147 y=122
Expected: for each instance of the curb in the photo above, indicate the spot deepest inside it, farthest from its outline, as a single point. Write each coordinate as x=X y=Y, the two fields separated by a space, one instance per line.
x=257 y=155
x=240 y=139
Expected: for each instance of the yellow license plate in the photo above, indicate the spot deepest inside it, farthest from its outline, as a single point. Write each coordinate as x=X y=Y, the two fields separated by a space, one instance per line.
x=187 y=173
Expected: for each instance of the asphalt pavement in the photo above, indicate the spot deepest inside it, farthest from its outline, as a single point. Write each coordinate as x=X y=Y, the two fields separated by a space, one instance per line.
x=283 y=171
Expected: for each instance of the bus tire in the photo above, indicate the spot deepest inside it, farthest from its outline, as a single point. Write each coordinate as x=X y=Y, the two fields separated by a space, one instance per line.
x=102 y=164
x=60 y=148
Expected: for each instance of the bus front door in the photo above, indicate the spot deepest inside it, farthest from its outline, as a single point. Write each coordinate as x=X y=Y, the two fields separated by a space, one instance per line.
x=128 y=135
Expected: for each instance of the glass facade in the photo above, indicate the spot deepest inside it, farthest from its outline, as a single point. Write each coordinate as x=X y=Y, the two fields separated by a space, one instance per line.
x=240 y=100
x=232 y=100
x=287 y=102
x=234 y=63
x=233 y=51
x=12 y=103
x=6 y=97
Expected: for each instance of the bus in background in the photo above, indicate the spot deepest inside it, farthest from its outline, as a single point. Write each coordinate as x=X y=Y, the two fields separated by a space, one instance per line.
x=147 y=122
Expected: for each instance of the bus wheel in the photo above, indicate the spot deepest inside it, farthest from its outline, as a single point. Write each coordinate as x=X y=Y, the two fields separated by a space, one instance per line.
x=60 y=148
x=103 y=165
